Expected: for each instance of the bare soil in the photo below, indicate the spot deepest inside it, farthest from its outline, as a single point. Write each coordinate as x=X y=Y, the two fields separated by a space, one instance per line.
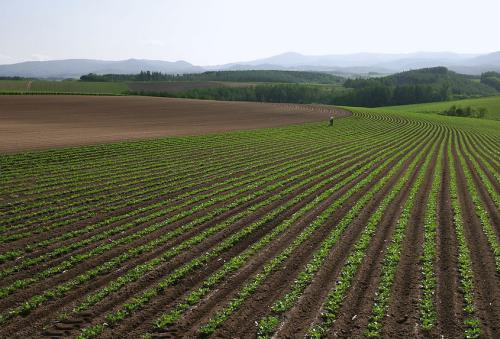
x=49 y=121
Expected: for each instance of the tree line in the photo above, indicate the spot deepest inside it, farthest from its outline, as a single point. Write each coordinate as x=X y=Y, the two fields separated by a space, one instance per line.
x=235 y=76
x=491 y=79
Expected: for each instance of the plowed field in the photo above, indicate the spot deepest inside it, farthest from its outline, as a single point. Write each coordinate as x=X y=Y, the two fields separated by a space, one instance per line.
x=48 y=121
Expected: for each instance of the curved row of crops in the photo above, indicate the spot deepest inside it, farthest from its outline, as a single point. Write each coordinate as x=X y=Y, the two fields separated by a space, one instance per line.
x=382 y=224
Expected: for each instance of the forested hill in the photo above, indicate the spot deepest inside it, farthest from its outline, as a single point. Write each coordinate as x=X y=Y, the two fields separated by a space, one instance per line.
x=423 y=85
x=233 y=76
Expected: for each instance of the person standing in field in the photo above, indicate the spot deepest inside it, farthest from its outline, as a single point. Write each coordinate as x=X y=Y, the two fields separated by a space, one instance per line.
x=331 y=120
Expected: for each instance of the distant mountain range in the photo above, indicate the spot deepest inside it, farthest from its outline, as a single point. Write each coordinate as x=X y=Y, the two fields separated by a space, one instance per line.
x=349 y=64
x=74 y=68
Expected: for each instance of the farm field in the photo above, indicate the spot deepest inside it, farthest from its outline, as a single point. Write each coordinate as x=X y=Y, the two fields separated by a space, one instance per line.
x=385 y=225
x=108 y=88
x=41 y=122
x=53 y=86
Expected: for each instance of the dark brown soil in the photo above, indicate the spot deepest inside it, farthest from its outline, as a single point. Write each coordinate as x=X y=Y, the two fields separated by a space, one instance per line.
x=48 y=121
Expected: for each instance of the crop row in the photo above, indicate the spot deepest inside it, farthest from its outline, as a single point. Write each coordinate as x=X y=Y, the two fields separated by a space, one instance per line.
x=283 y=304
x=179 y=273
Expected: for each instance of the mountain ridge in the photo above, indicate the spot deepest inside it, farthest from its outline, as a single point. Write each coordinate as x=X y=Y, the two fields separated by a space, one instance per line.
x=356 y=63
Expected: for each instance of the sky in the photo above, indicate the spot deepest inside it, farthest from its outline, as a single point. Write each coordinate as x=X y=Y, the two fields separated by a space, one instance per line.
x=210 y=32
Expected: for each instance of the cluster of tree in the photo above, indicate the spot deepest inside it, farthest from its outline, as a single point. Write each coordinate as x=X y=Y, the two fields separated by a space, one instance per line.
x=142 y=76
x=293 y=93
x=423 y=85
x=14 y=78
x=491 y=79
x=468 y=111
x=266 y=76
x=234 y=76
x=376 y=94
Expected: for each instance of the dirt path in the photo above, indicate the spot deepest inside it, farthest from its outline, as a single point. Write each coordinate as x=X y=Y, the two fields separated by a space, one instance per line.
x=49 y=121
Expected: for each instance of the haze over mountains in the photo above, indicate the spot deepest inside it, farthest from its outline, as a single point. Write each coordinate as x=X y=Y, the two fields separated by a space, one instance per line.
x=359 y=63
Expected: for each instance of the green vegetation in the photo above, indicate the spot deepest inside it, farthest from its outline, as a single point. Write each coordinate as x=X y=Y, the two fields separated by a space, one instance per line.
x=417 y=86
x=457 y=111
x=291 y=93
x=491 y=79
x=490 y=104
x=60 y=87
x=232 y=76
x=218 y=221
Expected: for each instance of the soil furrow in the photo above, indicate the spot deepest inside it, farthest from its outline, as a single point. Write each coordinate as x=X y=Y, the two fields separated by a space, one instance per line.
x=486 y=278
x=278 y=283
x=357 y=305
x=449 y=300
x=179 y=260
x=403 y=315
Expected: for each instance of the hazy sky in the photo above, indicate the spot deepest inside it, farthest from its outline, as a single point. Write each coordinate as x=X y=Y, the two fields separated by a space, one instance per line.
x=221 y=31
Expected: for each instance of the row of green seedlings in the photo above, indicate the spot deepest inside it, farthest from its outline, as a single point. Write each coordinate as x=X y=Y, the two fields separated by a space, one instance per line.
x=222 y=168
x=471 y=156
x=268 y=325
x=236 y=261
x=114 y=185
x=114 y=285
x=489 y=162
x=146 y=195
x=488 y=147
x=215 y=279
x=59 y=175
x=392 y=258
x=213 y=191
x=479 y=209
x=137 y=182
x=84 y=157
x=335 y=298
x=174 y=204
x=471 y=321
x=75 y=259
x=68 y=235
x=428 y=314
x=264 y=177
x=73 y=211
x=62 y=289
x=252 y=285
x=175 y=276
x=90 y=166
x=144 y=165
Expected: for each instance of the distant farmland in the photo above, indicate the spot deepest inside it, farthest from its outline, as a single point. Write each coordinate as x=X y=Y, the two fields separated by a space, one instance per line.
x=385 y=224
x=69 y=86
x=118 y=87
